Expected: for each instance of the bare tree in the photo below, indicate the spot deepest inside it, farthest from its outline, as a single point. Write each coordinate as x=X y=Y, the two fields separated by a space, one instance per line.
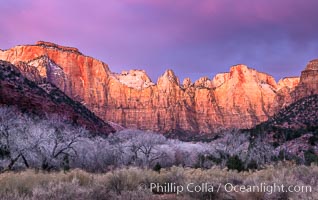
x=58 y=144
x=143 y=147
x=26 y=141
x=15 y=139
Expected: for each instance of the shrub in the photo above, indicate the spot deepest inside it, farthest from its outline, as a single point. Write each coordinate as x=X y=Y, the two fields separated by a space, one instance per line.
x=77 y=184
x=157 y=167
x=310 y=157
x=313 y=140
x=235 y=163
x=252 y=165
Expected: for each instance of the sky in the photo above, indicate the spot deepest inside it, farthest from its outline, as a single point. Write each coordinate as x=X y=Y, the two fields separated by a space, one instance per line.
x=194 y=38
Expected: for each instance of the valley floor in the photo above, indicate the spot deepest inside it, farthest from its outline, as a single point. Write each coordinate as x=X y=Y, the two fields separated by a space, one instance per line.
x=279 y=181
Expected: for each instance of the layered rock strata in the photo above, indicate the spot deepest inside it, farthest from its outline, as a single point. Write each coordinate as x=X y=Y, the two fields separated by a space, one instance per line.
x=45 y=98
x=308 y=84
x=240 y=98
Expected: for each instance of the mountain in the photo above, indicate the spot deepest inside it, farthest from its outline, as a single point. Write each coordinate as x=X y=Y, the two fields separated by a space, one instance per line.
x=308 y=84
x=301 y=114
x=44 y=98
x=293 y=129
x=240 y=98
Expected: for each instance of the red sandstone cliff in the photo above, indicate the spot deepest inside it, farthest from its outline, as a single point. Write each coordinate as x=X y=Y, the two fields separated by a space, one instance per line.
x=44 y=99
x=308 y=84
x=240 y=98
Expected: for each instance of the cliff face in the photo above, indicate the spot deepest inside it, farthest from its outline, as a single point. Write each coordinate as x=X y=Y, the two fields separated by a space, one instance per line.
x=80 y=77
x=44 y=98
x=308 y=84
x=285 y=88
x=289 y=82
x=240 y=98
x=293 y=127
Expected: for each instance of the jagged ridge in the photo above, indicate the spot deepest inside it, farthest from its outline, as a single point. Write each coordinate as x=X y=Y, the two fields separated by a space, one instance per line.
x=240 y=98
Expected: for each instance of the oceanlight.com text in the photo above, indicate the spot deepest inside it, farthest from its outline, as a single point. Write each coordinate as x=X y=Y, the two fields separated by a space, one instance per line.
x=227 y=187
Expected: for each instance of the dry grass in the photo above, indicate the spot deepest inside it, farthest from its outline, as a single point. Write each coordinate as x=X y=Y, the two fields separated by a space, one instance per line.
x=125 y=183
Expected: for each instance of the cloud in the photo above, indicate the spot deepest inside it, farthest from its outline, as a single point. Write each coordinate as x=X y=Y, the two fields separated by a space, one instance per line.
x=194 y=37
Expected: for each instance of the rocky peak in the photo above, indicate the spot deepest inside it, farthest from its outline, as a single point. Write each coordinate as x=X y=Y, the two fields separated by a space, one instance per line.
x=219 y=79
x=312 y=65
x=56 y=46
x=239 y=67
x=289 y=82
x=308 y=84
x=203 y=82
x=137 y=79
x=84 y=78
x=240 y=98
x=168 y=78
x=239 y=72
x=187 y=83
x=285 y=88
